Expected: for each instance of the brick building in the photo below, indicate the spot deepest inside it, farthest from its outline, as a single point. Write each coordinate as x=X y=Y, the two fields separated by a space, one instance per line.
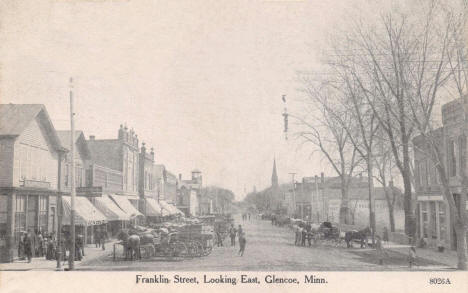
x=433 y=213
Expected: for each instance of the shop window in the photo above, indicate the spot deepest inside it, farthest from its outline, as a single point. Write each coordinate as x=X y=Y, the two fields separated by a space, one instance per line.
x=3 y=217
x=442 y=221
x=32 y=212
x=20 y=216
x=425 y=219
x=433 y=216
x=43 y=213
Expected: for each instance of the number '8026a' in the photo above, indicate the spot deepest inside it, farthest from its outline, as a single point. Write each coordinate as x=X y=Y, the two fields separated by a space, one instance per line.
x=439 y=281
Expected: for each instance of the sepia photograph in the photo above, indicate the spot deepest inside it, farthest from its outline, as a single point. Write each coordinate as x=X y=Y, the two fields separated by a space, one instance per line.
x=266 y=136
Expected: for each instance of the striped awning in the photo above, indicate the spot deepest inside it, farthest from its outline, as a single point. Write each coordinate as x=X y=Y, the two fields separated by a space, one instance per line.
x=110 y=209
x=124 y=203
x=153 y=209
x=86 y=214
x=169 y=209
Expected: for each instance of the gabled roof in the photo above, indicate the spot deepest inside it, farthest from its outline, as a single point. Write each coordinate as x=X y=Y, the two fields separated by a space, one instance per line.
x=65 y=138
x=15 y=118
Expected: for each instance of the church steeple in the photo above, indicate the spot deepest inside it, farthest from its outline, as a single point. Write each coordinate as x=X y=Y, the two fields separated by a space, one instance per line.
x=274 y=176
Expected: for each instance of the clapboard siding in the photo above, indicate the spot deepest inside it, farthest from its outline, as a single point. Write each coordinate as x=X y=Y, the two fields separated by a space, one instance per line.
x=34 y=157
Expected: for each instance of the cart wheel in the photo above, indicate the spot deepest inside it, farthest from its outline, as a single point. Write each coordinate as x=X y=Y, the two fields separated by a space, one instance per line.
x=207 y=250
x=179 y=249
x=193 y=249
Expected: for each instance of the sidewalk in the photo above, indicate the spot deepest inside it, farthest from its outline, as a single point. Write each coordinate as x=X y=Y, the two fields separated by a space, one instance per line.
x=41 y=264
x=447 y=258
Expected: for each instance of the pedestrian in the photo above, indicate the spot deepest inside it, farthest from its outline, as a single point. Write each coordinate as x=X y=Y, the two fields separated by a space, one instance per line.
x=385 y=234
x=232 y=235
x=28 y=245
x=239 y=231
x=303 y=236
x=380 y=250
x=412 y=256
x=97 y=237
x=103 y=238
x=299 y=236
x=219 y=239
x=40 y=244
x=249 y=216
x=242 y=243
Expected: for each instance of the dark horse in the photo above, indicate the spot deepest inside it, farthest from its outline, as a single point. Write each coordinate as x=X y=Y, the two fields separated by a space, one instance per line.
x=131 y=244
x=361 y=235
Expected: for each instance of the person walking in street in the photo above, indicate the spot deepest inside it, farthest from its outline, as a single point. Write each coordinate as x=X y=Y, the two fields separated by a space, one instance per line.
x=242 y=243
x=28 y=246
x=232 y=235
x=103 y=238
x=97 y=238
x=21 y=254
x=303 y=236
x=40 y=244
x=239 y=231
x=219 y=239
x=385 y=234
x=380 y=250
x=412 y=257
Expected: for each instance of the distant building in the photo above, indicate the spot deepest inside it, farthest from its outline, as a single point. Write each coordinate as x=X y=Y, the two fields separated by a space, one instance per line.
x=147 y=185
x=30 y=156
x=189 y=192
x=433 y=213
x=319 y=199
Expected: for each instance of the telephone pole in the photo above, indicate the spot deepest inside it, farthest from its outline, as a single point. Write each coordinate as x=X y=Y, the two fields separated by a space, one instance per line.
x=71 y=258
x=294 y=193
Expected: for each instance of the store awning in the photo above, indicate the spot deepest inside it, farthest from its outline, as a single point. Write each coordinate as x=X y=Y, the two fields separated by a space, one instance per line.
x=169 y=209
x=86 y=214
x=110 y=209
x=124 y=203
x=153 y=209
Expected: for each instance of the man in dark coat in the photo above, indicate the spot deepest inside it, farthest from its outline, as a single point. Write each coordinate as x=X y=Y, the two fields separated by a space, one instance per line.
x=28 y=246
x=242 y=243
x=232 y=235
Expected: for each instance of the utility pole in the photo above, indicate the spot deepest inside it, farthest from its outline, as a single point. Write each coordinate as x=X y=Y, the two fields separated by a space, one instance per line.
x=58 y=255
x=316 y=196
x=294 y=193
x=71 y=258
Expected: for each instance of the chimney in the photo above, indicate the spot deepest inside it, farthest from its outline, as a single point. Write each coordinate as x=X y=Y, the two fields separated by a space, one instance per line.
x=121 y=132
x=92 y=137
x=143 y=149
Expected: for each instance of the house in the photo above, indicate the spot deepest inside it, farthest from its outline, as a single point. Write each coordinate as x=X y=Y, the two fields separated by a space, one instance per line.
x=433 y=215
x=30 y=158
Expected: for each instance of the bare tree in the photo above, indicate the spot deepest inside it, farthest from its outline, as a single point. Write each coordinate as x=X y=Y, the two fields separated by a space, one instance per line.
x=321 y=128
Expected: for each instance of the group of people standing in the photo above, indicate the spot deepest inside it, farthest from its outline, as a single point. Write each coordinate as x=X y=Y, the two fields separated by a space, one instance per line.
x=36 y=243
x=240 y=235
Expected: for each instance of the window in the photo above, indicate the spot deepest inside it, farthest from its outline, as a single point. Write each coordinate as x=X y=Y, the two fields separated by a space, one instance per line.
x=425 y=219
x=67 y=174
x=3 y=216
x=32 y=212
x=423 y=170
x=461 y=153
x=433 y=220
x=20 y=216
x=418 y=173
x=442 y=221
x=452 y=159
x=43 y=213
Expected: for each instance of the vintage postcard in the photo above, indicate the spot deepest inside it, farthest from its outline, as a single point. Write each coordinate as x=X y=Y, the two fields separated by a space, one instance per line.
x=158 y=145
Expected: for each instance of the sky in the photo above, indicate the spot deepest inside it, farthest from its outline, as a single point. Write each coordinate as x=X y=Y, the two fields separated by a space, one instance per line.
x=200 y=81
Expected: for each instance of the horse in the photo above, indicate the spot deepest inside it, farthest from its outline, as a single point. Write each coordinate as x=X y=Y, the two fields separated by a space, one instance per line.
x=131 y=245
x=361 y=235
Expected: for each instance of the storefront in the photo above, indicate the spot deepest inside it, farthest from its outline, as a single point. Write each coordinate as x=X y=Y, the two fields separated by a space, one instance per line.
x=433 y=221
x=23 y=210
x=87 y=217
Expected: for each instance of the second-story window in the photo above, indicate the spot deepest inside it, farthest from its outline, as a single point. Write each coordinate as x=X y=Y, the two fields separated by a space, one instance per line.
x=452 y=159
x=461 y=154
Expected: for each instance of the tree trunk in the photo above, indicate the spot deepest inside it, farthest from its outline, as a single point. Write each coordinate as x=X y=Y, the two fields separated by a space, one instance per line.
x=460 y=230
x=410 y=220
x=391 y=218
x=345 y=213
x=370 y=179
